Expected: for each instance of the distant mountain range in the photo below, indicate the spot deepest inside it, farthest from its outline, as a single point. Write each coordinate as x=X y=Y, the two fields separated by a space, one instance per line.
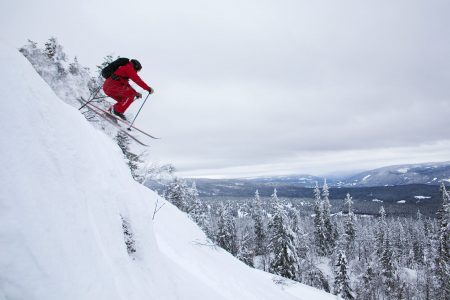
x=425 y=173
x=406 y=188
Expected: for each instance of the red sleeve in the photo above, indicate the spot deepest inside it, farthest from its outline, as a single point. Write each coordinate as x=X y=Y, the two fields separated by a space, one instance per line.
x=132 y=74
x=135 y=77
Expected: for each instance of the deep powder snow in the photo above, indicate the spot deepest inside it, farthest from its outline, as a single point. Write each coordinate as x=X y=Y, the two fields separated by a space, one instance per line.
x=65 y=190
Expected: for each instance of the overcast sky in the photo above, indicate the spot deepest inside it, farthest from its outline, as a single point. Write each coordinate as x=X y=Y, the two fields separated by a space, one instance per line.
x=247 y=88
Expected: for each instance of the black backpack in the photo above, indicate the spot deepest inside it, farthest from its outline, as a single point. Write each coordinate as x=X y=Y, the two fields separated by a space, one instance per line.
x=112 y=67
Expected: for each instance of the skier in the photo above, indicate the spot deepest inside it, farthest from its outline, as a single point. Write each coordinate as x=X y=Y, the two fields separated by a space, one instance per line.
x=117 y=87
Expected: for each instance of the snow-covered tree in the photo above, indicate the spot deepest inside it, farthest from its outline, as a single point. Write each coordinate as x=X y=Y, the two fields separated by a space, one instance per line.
x=226 y=236
x=68 y=82
x=329 y=229
x=313 y=276
x=381 y=231
x=282 y=243
x=259 y=228
x=245 y=248
x=443 y=252
x=387 y=263
x=349 y=226
x=319 y=231
x=198 y=210
x=419 y=241
x=160 y=174
x=257 y=200
x=54 y=50
x=191 y=196
x=368 y=287
x=301 y=241
x=176 y=193
x=388 y=267
x=341 y=279
x=75 y=67
x=133 y=160
x=55 y=53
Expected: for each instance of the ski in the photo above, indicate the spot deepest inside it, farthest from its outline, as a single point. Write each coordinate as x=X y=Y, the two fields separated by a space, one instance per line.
x=129 y=126
x=115 y=124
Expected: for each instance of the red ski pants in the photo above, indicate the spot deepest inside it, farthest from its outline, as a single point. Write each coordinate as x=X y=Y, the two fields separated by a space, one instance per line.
x=121 y=91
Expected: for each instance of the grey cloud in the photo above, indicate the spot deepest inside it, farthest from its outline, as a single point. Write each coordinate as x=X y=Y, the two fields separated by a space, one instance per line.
x=271 y=85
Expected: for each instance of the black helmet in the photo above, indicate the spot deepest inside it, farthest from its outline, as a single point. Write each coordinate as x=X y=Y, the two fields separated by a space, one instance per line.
x=137 y=65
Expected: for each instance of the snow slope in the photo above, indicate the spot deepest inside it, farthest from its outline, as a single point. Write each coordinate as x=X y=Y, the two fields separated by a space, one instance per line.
x=65 y=188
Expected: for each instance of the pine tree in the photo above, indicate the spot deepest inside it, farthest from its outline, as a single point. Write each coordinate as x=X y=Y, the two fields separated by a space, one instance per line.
x=367 y=289
x=191 y=197
x=380 y=231
x=74 y=67
x=349 y=226
x=385 y=255
x=301 y=244
x=259 y=230
x=282 y=243
x=401 y=242
x=419 y=238
x=260 y=235
x=319 y=232
x=389 y=271
x=176 y=193
x=198 y=210
x=443 y=252
x=55 y=53
x=341 y=279
x=133 y=160
x=257 y=201
x=51 y=47
x=329 y=230
x=245 y=249
x=313 y=276
x=427 y=280
x=226 y=230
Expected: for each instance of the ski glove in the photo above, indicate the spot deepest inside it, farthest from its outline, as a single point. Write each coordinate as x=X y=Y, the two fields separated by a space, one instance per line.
x=138 y=95
x=150 y=90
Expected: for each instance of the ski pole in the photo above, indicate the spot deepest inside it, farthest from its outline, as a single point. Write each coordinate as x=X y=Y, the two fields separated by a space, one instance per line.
x=129 y=128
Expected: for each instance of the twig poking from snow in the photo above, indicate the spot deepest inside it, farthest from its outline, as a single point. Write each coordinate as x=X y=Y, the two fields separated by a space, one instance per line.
x=283 y=282
x=207 y=243
x=157 y=208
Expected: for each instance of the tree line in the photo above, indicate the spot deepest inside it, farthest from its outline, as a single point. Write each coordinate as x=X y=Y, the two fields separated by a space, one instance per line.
x=353 y=256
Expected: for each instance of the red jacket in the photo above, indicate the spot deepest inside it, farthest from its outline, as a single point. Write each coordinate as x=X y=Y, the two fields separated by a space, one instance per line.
x=128 y=72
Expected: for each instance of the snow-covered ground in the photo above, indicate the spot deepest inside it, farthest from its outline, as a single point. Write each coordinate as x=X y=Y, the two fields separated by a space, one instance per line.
x=422 y=197
x=366 y=177
x=403 y=170
x=65 y=190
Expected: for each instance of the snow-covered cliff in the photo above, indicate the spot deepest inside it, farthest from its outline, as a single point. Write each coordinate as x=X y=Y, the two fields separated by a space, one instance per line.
x=65 y=192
